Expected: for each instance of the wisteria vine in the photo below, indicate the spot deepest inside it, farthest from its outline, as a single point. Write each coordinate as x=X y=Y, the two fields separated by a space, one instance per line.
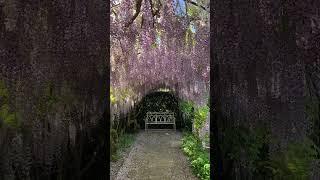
x=157 y=43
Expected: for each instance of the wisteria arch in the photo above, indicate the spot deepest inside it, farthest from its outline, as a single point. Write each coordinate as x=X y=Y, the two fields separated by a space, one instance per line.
x=159 y=44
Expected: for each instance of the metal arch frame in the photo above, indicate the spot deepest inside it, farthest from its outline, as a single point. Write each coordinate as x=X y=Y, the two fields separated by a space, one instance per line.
x=160 y=118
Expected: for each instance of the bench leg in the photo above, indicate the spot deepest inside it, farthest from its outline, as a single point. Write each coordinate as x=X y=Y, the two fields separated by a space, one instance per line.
x=145 y=127
x=174 y=127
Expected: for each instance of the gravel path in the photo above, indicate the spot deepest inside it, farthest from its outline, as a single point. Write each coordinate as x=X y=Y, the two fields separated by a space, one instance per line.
x=156 y=155
x=115 y=166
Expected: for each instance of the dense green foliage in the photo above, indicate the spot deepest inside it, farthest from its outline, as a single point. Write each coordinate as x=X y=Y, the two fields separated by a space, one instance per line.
x=198 y=156
x=200 y=117
x=7 y=116
x=194 y=114
x=119 y=143
x=113 y=143
x=126 y=140
x=241 y=142
x=187 y=108
x=294 y=162
x=313 y=115
x=117 y=95
x=191 y=143
x=249 y=147
x=113 y=99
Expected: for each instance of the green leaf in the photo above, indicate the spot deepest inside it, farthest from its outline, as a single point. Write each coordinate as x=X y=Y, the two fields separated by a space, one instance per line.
x=4 y=111
x=11 y=120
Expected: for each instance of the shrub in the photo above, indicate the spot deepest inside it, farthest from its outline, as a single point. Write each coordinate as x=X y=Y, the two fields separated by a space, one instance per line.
x=113 y=99
x=125 y=141
x=113 y=143
x=200 y=117
x=294 y=162
x=241 y=141
x=198 y=156
x=186 y=107
x=119 y=143
x=7 y=116
x=249 y=147
x=196 y=115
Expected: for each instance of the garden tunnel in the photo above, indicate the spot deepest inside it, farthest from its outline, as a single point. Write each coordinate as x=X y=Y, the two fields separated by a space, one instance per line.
x=160 y=99
x=155 y=53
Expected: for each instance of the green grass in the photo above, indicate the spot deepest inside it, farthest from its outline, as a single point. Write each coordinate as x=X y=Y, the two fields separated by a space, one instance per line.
x=198 y=156
x=125 y=141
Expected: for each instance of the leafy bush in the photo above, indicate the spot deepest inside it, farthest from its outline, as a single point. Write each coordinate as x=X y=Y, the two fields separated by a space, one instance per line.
x=113 y=143
x=113 y=99
x=186 y=107
x=7 y=117
x=200 y=117
x=206 y=138
x=312 y=112
x=294 y=162
x=119 y=143
x=198 y=156
x=125 y=141
x=248 y=146
x=117 y=95
x=243 y=142
x=194 y=115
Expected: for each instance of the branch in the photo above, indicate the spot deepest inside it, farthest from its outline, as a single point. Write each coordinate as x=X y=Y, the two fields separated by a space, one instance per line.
x=151 y=7
x=115 y=5
x=142 y=21
x=114 y=12
x=156 y=12
x=196 y=4
x=138 y=7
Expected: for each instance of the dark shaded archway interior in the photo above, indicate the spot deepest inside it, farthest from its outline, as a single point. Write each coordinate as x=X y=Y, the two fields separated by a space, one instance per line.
x=159 y=101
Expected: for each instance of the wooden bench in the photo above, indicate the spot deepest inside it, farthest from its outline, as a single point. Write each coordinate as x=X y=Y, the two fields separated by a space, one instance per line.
x=160 y=118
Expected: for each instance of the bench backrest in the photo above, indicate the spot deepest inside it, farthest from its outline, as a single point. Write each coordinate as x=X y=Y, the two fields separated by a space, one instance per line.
x=160 y=117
